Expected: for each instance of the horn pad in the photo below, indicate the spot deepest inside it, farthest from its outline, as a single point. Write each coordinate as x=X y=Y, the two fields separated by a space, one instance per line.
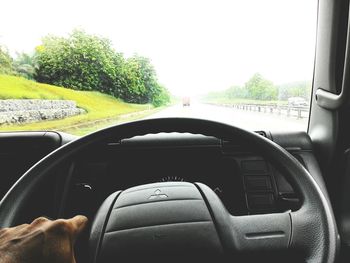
x=155 y=222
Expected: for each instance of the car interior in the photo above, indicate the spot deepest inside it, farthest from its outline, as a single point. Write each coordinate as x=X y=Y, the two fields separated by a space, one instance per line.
x=191 y=189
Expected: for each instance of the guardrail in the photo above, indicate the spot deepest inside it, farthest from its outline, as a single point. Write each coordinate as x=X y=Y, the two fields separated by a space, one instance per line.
x=286 y=110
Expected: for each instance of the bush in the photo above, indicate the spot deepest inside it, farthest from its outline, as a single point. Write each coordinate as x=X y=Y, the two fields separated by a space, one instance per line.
x=88 y=62
x=161 y=97
x=81 y=61
x=141 y=84
x=260 y=88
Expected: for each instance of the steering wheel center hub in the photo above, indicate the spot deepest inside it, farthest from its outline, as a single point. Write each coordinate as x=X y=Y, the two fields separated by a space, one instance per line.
x=154 y=222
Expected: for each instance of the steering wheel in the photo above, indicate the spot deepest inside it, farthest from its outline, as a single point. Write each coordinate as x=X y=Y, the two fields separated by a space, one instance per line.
x=186 y=220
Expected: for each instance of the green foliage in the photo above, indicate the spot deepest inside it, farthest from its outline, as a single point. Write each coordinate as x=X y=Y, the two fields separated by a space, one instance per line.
x=295 y=89
x=227 y=101
x=6 y=62
x=81 y=62
x=260 y=88
x=88 y=62
x=134 y=89
x=24 y=65
x=161 y=96
x=236 y=92
x=97 y=105
x=256 y=88
x=140 y=83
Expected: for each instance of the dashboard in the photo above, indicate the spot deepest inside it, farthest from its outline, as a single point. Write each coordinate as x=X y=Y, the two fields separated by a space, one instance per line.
x=244 y=180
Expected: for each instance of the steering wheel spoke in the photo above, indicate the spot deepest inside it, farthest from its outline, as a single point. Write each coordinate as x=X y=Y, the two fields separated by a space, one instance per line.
x=261 y=233
x=249 y=233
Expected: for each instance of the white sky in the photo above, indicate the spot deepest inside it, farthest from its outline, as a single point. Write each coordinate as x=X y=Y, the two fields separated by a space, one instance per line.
x=195 y=45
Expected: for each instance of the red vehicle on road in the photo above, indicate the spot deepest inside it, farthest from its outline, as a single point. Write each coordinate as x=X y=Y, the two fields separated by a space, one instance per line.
x=186 y=101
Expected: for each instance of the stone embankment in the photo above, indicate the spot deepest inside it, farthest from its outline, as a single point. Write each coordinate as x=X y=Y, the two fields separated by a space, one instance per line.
x=35 y=110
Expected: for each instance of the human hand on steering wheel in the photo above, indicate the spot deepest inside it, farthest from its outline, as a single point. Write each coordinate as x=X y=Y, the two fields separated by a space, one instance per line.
x=41 y=241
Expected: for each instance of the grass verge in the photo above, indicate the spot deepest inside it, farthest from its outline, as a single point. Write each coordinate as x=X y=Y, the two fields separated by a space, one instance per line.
x=86 y=128
x=97 y=105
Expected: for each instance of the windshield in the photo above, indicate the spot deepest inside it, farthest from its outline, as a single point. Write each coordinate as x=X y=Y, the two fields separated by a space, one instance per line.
x=79 y=66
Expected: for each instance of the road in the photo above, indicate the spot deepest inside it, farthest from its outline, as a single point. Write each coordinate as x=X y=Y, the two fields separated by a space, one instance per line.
x=244 y=119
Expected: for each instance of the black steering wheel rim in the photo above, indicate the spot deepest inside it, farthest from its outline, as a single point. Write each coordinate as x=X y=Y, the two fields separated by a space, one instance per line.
x=317 y=223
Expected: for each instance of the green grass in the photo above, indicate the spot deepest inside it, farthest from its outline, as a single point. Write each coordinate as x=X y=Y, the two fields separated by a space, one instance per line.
x=97 y=105
x=86 y=128
x=244 y=101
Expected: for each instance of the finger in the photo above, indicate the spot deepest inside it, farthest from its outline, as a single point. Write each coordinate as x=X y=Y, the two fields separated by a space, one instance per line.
x=78 y=224
x=37 y=223
x=3 y=232
x=40 y=220
x=18 y=230
x=13 y=231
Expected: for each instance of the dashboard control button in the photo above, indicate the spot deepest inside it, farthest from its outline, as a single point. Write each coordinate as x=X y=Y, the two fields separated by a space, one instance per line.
x=258 y=166
x=260 y=201
x=256 y=183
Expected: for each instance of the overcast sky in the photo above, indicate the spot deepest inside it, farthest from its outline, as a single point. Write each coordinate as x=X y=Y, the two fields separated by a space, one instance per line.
x=195 y=45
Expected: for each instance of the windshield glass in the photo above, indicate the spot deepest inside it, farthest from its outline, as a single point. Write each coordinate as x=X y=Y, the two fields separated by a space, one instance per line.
x=79 y=66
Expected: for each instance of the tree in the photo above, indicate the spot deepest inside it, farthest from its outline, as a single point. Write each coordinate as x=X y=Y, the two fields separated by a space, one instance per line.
x=88 y=62
x=24 y=65
x=133 y=88
x=260 y=88
x=295 y=89
x=161 y=96
x=81 y=61
x=6 y=62
x=141 y=84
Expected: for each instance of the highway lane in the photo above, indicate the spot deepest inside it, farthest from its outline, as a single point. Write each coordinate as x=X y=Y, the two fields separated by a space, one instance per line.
x=244 y=119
